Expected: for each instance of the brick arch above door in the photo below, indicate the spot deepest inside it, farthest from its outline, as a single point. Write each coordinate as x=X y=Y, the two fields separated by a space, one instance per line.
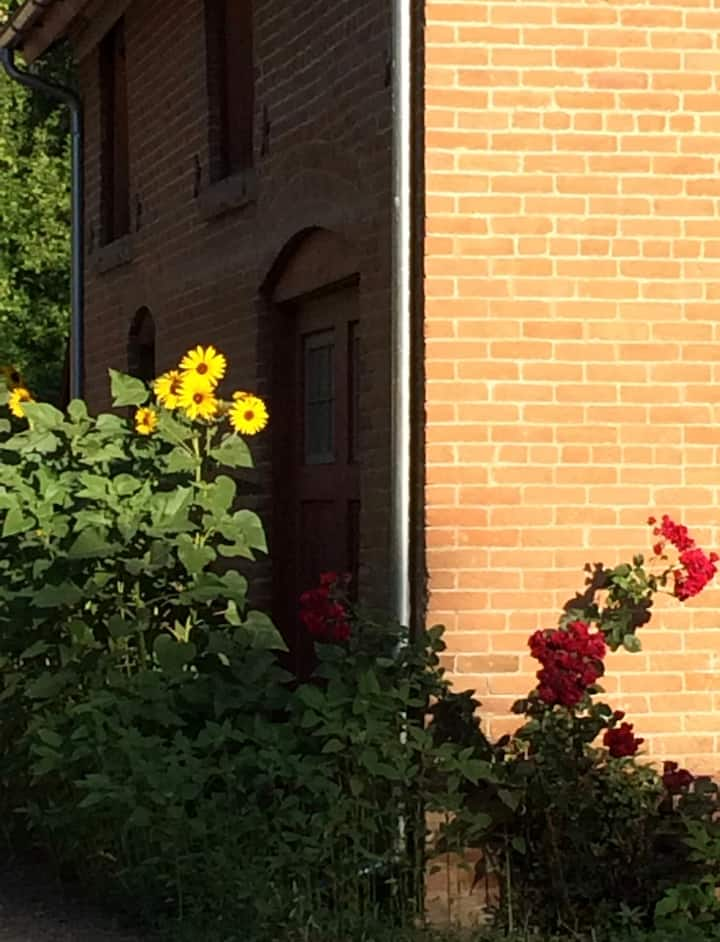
x=314 y=259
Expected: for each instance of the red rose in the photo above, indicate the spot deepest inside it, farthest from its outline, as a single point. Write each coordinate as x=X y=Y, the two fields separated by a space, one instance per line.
x=324 y=616
x=621 y=742
x=571 y=662
x=675 y=779
x=674 y=533
x=698 y=570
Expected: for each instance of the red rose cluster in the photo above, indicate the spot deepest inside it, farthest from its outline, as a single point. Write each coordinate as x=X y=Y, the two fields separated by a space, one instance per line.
x=675 y=779
x=620 y=741
x=324 y=616
x=671 y=532
x=571 y=662
x=697 y=568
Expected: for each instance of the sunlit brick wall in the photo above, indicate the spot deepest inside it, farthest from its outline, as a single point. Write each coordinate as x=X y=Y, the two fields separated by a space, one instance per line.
x=322 y=136
x=573 y=337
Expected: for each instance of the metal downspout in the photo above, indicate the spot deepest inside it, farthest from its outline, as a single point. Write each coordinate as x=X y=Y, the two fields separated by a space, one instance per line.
x=77 y=281
x=401 y=310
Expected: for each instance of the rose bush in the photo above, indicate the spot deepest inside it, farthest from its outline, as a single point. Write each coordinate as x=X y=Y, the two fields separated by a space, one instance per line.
x=595 y=831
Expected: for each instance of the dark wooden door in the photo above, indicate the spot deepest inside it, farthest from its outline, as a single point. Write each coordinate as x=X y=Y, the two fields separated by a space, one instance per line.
x=317 y=487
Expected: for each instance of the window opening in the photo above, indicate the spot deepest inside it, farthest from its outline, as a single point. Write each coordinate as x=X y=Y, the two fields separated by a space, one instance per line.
x=115 y=156
x=231 y=85
x=141 y=346
x=319 y=397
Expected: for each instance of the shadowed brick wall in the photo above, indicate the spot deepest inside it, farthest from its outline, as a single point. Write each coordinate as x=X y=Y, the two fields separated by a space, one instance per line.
x=573 y=334
x=322 y=157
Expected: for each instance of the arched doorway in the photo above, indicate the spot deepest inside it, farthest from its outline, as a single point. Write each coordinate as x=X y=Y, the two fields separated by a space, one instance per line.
x=316 y=403
x=141 y=345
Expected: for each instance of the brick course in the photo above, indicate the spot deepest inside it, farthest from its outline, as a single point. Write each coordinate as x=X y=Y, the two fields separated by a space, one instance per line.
x=573 y=342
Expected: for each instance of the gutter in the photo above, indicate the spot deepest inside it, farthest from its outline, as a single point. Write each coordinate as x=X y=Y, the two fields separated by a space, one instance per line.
x=67 y=97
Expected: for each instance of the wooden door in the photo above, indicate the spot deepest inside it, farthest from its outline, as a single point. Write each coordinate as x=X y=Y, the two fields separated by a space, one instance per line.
x=317 y=488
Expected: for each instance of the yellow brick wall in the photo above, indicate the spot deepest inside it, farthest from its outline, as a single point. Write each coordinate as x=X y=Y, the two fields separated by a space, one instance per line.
x=573 y=334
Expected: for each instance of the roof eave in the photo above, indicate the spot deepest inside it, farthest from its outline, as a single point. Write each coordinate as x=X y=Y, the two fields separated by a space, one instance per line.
x=21 y=23
x=37 y=24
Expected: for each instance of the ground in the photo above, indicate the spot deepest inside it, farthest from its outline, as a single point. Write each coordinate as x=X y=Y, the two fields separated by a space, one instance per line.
x=33 y=909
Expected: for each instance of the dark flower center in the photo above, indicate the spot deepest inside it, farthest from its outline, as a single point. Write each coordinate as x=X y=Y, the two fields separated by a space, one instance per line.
x=202 y=368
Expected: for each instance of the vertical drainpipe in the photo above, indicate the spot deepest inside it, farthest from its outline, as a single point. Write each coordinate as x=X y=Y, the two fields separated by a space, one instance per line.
x=401 y=309
x=77 y=280
x=407 y=534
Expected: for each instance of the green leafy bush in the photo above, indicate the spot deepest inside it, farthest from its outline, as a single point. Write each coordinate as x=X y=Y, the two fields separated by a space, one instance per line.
x=151 y=740
x=148 y=735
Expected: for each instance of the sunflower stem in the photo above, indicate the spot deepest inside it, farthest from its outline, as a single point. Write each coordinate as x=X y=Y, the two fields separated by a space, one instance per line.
x=199 y=459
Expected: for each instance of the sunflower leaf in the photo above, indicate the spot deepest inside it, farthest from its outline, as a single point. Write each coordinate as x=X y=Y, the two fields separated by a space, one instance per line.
x=127 y=390
x=232 y=452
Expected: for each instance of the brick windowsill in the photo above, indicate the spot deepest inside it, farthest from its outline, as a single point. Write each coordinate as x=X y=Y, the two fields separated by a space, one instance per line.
x=227 y=195
x=113 y=255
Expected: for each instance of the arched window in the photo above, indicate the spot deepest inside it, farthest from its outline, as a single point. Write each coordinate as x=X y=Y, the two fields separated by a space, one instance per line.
x=141 y=346
x=316 y=407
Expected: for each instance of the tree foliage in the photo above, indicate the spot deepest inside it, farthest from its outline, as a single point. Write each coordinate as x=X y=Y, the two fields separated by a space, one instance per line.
x=34 y=235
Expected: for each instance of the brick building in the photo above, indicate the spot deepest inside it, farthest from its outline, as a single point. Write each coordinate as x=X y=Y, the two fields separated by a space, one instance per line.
x=237 y=192
x=571 y=252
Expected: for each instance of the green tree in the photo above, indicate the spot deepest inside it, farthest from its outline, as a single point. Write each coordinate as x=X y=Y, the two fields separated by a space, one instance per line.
x=34 y=236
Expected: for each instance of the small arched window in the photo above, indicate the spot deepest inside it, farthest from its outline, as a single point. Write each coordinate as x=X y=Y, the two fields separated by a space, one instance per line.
x=141 y=346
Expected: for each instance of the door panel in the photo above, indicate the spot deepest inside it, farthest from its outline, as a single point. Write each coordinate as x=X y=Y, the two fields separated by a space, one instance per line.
x=320 y=539
x=318 y=488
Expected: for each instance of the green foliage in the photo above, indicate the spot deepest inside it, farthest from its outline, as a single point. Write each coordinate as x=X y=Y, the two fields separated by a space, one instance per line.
x=34 y=234
x=148 y=734
x=585 y=832
x=696 y=900
x=151 y=739
x=618 y=601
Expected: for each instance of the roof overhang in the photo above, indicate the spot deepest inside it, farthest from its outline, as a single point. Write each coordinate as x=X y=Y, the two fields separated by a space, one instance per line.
x=37 y=24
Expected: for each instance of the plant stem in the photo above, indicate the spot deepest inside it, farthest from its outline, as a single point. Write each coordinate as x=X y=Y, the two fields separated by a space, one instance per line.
x=508 y=888
x=143 y=650
x=199 y=459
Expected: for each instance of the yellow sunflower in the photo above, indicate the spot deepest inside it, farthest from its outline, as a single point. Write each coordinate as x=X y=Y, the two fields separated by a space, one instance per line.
x=248 y=414
x=11 y=375
x=167 y=389
x=19 y=395
x=206 y=363
x=146 y=421
x=197 y=398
